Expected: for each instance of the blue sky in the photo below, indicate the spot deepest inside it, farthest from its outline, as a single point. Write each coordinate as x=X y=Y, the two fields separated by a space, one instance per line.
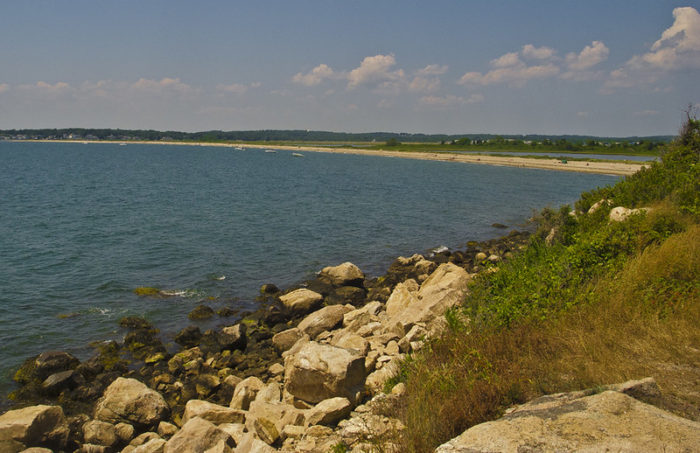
x=556 y=67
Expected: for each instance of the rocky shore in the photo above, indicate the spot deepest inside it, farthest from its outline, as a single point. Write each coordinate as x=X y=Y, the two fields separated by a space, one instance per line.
x=304 y=372
x=312 y=370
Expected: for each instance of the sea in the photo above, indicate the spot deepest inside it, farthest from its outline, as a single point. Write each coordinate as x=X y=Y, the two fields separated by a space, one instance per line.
x=83 y=225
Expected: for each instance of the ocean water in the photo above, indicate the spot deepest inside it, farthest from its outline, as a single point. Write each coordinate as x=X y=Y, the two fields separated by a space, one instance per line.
x=82 y=225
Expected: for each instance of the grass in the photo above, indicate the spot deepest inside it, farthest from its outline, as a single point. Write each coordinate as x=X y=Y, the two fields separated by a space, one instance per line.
x=604 y=303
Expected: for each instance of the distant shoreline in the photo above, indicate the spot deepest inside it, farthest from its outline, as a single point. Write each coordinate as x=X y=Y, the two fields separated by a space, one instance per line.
x=580 y=166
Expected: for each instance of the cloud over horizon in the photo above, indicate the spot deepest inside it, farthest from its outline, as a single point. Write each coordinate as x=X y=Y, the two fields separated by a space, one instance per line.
x=678 y=48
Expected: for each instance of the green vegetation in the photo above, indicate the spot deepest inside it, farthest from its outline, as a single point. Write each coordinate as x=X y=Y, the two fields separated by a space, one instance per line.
x=590 y=302
x=144 y=291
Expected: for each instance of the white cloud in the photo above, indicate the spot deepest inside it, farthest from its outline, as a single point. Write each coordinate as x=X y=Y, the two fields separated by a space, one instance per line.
x=374 y=69
x=237 y=88
x=432 y=69
x=4 y=87
x=679 y=45
x=647 y=113
x=234 y=88
x=424 y=84
x=450 y=100
x=511 y=69
x=590 y=56
x=539 y=53
x=677 y=48
x=509 y=59
x=44 y=90
x=165 y=85
x=583 y=114
x=515 y=75
x=316 y=76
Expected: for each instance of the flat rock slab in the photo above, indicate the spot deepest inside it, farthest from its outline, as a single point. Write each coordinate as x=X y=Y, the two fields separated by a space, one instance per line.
x=608 y=421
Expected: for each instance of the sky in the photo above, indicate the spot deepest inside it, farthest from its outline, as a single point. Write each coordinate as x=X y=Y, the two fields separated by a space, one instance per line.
x=606 y=68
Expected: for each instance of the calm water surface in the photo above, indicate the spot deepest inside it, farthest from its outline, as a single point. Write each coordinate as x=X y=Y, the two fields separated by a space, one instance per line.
x=81 y=226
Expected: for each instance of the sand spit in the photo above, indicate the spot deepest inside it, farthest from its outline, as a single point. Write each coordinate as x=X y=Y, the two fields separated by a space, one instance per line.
x=581 y=166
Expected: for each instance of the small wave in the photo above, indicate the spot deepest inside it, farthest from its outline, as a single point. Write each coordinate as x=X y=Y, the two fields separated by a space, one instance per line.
x=440 y=249
x=188 y=293
x=173 y=292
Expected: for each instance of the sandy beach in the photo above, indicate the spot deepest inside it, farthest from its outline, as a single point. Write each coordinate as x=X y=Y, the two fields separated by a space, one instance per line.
x=609 y=168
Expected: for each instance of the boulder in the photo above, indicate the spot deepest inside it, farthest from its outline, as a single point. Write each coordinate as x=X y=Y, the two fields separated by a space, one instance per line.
x=249 y=444
x=34 y=426
x=100 y=433
x=346 y=295
x=323 y=320
x=266 y=430
x=608 y=421
x=211 y=412
x=286 y=339
x=188 y=337
x=125 y=432
x=50 y=362
x=281 y=414
x=329 y=412
x=318 y=372
x=128 y=400
x=403 y=295
x=445 y=287
x=346 y=274
x=620 y=213
x=245 y=392
x=63 y=380
x=197 y=435
x=166 y=429
x=201 y=312
x=301 y=300
x=233 y=337
x=152 y=446
x=352 y=341
x=271 y=393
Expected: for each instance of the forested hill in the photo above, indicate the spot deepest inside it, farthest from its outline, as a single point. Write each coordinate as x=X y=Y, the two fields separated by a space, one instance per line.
x=295 y=135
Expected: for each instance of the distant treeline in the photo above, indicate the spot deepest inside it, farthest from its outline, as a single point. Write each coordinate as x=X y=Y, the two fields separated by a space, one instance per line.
x=310 y=136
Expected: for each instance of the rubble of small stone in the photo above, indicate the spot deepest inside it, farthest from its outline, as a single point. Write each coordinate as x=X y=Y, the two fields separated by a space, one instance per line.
x=305 y=372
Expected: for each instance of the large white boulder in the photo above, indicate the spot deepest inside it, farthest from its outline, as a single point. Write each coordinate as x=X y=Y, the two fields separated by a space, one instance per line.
x=301 y=300
x=318 y=372
x=128 y=400
x=342 y=274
